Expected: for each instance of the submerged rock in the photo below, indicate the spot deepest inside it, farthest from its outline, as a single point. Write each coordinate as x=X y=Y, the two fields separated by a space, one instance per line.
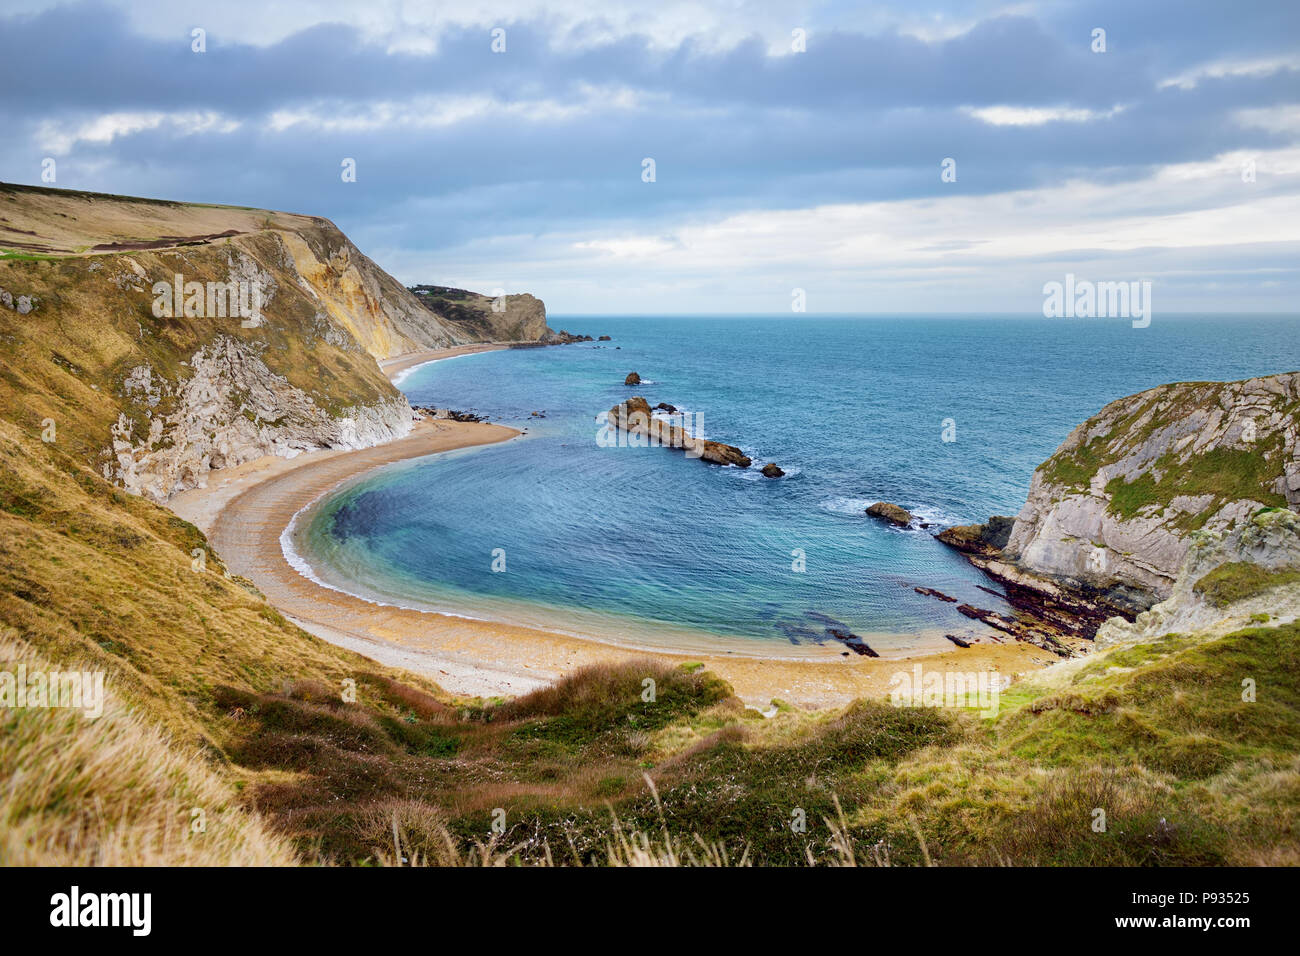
x=932 y=592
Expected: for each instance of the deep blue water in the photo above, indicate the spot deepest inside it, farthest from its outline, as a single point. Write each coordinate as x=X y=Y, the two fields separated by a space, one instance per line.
x=641 y=542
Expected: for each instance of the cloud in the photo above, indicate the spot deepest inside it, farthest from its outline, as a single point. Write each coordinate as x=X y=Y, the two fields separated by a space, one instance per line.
x=528 y=162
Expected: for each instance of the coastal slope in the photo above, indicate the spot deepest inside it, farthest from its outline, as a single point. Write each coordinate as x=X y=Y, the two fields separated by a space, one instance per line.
x=155 y=391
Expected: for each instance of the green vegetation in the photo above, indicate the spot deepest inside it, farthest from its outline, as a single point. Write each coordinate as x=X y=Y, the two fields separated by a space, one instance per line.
x=1239 y=580
x=1227 y=474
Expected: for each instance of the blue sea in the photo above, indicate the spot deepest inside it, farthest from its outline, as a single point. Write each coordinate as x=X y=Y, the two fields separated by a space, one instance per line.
x=647 y=547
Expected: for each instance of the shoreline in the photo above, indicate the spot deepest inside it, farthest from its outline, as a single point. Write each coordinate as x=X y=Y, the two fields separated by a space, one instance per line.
x=245 y=510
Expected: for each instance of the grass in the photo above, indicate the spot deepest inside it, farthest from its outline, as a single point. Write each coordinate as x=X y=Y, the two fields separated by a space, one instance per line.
x=1240 y=580
x=113 y=791
x=1226 y=474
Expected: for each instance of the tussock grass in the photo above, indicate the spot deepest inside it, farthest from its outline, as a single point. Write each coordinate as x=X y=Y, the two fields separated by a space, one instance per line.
x=114 y=791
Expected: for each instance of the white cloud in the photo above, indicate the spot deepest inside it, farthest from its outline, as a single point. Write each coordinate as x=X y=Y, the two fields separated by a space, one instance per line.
x=1220 y=69
x=962 y=252
x=60 y=136
x=434 y=112
x=1037 y=115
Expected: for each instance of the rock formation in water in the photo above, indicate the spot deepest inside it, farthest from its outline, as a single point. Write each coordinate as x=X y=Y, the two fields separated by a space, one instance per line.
x=635 y=417
x=890 y=513
x=632 y=379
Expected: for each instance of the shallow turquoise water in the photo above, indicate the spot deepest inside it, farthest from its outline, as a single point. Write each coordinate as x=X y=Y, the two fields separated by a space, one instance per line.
x=643 y=544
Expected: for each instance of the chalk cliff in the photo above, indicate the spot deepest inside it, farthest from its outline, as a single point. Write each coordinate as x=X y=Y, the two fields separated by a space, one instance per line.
x=1161 y=498
x=1115 y=507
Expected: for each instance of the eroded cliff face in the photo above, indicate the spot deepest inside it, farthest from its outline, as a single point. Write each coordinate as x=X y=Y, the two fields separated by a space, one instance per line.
x=375 y=308
x=232 y=409
x=1114 y=510
x=156 y=398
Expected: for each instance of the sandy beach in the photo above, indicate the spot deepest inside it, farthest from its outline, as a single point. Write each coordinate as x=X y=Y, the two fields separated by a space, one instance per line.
x=244 y=510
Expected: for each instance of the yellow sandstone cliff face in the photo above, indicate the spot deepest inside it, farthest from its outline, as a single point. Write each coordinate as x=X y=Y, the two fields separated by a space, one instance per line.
x=359 y=296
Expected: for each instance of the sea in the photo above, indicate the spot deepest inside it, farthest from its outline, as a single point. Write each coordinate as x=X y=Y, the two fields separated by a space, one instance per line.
x=947 y=416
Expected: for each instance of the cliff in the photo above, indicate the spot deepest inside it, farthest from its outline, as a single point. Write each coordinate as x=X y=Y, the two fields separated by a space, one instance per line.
x=507 y=318
x=1175 y=506
x=153 y=389
x=1114 y=509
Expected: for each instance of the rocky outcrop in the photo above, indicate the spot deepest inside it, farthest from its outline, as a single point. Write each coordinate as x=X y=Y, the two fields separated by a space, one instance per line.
x=988 y=538
x=563 y=338
x=483 y=318
x=634 y=417
x=1114 y=509
x=772 y=470
x=891 y=514
x=632 y=379
x=232 y=409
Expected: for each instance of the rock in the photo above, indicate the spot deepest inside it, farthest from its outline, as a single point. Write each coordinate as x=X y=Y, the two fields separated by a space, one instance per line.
x=229 y=410
x=1269 y=541
x=449 y=414
x=632 y=379
x=959 y=641
x=931 y=592
x=772 y=471
x=723 y=454
x=854 y=643
x=665 y=407
x=603 y=338
x=893 y=514
x=987 y=538
x=633 y=416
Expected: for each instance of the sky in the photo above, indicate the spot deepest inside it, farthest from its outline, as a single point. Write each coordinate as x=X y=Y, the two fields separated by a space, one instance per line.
x=799 y=149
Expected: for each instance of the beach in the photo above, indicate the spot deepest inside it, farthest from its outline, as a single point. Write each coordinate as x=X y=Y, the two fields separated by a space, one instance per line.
x=245 y=510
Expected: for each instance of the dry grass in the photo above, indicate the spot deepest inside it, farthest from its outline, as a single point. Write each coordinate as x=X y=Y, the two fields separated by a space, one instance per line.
x=114 y=791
